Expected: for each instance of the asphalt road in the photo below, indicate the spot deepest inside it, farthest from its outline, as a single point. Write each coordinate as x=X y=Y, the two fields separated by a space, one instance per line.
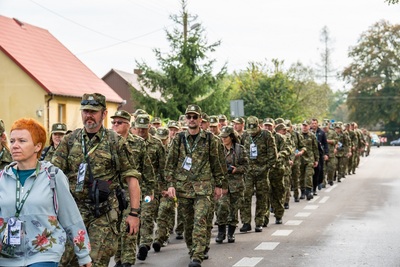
x=352 y=223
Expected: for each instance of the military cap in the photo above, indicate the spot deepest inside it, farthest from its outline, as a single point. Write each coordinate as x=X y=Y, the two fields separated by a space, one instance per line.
x=156 y=120
x=305 y=122
x=174 y=124
x=122 y=114
x=59 y=128
x=213 y=121
x=222 y=117
x=337 y=125
x=288 y=123
x=205 y=117
x=226 y=131
x=162 y=133
x=279 y=120
x=193 y=109
x=139 y=112
x=238 y=120
x=269 y=121
x=346 y=124
x=352 y=123
x=260 y=121
x=2 y=128
x=142 y=121
x=327 y=121
x=252 y=124
x=94 y=101
x=324 y=124
x=280 y=126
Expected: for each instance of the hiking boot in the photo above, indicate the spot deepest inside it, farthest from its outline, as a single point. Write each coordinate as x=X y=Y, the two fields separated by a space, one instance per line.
x=245 y=228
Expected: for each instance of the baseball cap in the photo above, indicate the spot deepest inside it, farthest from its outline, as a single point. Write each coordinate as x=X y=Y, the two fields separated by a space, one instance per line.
x=139 y=112
x=213 y=121
x=156 y=120
x=252 y=124
x=59 y=128
x=280 y=126
x=305 y=122
x=94 y=101
x=162 y=133
x=269 y=121
x=174 y=124
x=122 y=114
x=193 y=109
x=142 y=121
x=205 y=117
x=238 y=120
x=222 y=117
x=226 y=131
x=279 y=120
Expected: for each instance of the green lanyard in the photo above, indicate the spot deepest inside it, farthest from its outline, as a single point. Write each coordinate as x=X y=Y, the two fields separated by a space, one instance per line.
x=19 y=203
x=93 y=148
x=190 y=150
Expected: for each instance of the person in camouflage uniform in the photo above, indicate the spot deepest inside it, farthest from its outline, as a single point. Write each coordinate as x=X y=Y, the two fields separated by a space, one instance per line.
x=261 y=147
x=195 y=174
x=104 y=155
x=126 y=252
x=309 y=161
x=58 y=130
x=346 y=132
x=330 y=164
x=352 y=163
x=228 y=205
x=343 y=150
x=361 y=144
x=5 y=155
x=149 y=208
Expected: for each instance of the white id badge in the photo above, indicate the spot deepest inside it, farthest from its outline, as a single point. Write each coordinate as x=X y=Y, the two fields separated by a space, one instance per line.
x=253 y=151
x=14 y=232
x=80 y=178
x=187 y=163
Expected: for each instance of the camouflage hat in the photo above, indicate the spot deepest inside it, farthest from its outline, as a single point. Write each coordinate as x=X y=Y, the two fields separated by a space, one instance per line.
x=260 y=121
x=213 y=121
x=142 y=121
x=162 y=133
x=226 y=131
x=174 y=124
x=205 y=117
x=288 y=123
x=252 y=125
x=337 y=125
x=326 y=121
x=305 y=122
x=269 y=121
x=138 y=112
x=2 y=128
x=59 y=128
x=156 y=120
x=193 y=109
x=222 y=117
x=93 y=102
x=280 y=126
x=324 y=124
x=122 y=114
x=279 y=120
x=238 y=120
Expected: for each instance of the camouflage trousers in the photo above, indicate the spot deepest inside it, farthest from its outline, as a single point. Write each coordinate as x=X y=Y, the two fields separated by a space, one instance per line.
x=103 y=235
x=228 y=207
x=126 y=252
x=341 y=166
x=260 y=185
x=179 y=223
x=277 y=191
x=195 y=212
x=330 y=167
x=210 y=223
x=148 y=218
x=306 y=176
x=165 y=211
x=295 y=178
x=351 y=164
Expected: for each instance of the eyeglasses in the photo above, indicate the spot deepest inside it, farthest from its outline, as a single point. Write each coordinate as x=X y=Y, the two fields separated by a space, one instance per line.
x=189 y=117
x=118 y=122
x=91 y=102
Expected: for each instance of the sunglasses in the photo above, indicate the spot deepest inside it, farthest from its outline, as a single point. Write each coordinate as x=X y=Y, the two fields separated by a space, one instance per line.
x=189 y=117
x=118 y=122
x=91 y=102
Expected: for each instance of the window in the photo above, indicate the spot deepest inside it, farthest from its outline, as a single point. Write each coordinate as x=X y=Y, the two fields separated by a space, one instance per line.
x=62 y=113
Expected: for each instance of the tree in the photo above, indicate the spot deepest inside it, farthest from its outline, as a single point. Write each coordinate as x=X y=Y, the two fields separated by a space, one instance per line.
x=186 y=74
x=326 y=68
x=392 y=2
x=374 y=76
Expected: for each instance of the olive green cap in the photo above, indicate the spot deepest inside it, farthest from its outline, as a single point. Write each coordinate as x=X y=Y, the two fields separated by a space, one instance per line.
x=94 y=101
x=193 y=109
x=122 y=114
x=59 y=128
x=142 y=121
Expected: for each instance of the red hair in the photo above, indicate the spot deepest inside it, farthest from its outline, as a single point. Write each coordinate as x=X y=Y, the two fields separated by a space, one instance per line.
x=37 y=131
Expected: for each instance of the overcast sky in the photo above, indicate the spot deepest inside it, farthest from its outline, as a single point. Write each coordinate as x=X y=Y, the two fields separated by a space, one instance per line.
x=106 y=34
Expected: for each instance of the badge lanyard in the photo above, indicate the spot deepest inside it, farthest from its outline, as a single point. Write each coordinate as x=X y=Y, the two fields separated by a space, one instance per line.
x=93 y=148
x=190 y=150
x=19 y=203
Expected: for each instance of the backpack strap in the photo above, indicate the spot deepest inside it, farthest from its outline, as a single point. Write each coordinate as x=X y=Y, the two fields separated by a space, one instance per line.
x=51 y=173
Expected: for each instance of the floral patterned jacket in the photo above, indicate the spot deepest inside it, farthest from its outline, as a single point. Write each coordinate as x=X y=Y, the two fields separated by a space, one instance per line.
x=45 y=231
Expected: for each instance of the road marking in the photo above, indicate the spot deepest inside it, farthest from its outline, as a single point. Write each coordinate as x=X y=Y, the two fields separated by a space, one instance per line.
x=330 y=188
x=248 y=262
x=293 y=222
x=323 y=200
x=311 y=207
x=267 y=246
x=314 y=199
x=282 y=232
x=302 y=214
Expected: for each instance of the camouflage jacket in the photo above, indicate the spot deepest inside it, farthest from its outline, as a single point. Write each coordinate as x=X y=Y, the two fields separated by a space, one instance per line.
x=354 y=140
x=236 y=156
x=298 y=145
x=47 y=153
x=331 y=135
x=311 y=143
x=206 y=171
x=266 y=152
x=156 y=152
x=141 y=162
x=104 y=160
x=283 y=149
x=5 y=158
x=343 y=145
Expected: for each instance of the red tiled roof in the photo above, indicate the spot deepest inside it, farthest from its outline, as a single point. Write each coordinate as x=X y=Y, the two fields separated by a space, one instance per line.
x=49 y=62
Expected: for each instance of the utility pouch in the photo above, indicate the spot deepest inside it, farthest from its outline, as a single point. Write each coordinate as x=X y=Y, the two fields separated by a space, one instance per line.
x=121 y=197
x=99 y=191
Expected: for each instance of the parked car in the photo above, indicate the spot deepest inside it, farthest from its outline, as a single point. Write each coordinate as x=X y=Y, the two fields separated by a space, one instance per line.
x=376 y=141
x=395 y=142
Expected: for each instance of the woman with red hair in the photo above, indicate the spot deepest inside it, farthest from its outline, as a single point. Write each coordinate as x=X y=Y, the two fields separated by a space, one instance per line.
x=37 y=210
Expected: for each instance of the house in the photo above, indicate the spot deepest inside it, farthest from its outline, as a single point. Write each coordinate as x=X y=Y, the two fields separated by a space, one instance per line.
x=41 y=79
x=123 y=82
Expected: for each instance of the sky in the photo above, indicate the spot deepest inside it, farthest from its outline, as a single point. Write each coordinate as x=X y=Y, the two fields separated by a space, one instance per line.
x=113 y=34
